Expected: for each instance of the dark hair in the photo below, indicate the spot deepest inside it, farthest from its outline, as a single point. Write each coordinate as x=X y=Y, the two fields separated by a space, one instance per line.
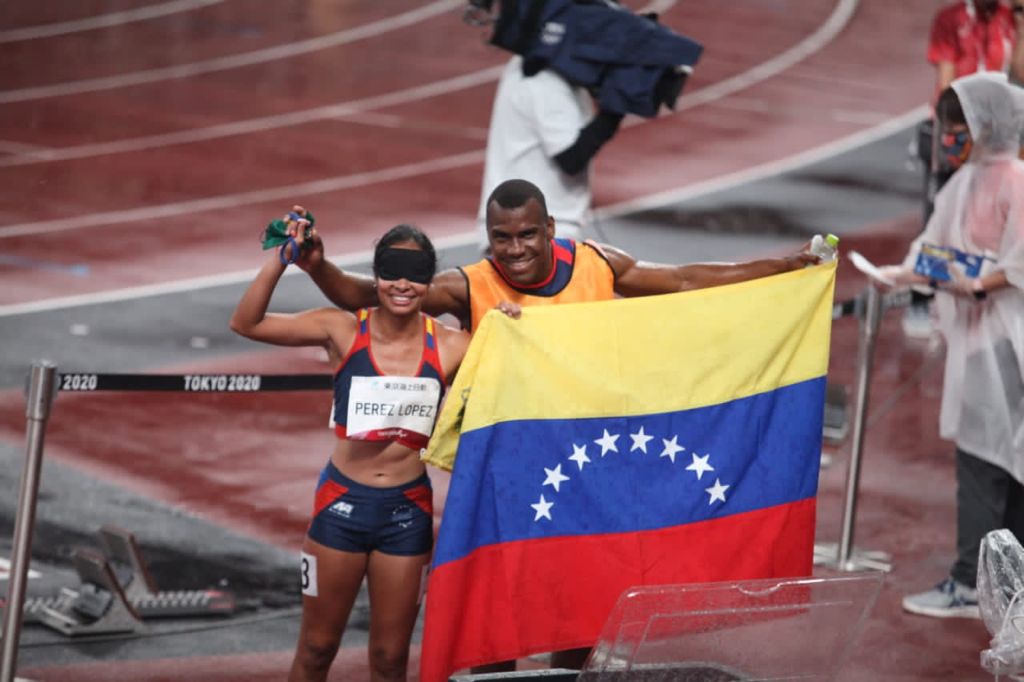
x=515 y=193
x=405 y=233
x=948 y=108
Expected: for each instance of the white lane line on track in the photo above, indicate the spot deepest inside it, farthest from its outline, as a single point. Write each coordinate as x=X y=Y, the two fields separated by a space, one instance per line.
x=858 y=117
x=264 y=123
x=5 y=571
x=285 y=51
x=348 y=259
x=410 y=124
x=718 y=184
x=840 y=16
x=765 y=170
x=103 y=20
x=9 y=147
x=818 y=39
x=823 y=35
x=227 y=201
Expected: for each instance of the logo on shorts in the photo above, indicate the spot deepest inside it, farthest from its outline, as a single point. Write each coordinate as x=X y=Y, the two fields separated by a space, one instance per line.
x=342 y=508
x=403 y=516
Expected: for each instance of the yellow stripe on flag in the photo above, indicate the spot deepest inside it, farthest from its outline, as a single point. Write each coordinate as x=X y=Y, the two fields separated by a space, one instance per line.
x=641 y=356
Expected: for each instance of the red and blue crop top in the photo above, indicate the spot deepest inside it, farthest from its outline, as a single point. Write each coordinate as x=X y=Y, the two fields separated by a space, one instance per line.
x=385 y=411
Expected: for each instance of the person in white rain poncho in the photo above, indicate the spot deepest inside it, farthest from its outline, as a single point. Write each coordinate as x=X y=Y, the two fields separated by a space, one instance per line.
x=980 y=312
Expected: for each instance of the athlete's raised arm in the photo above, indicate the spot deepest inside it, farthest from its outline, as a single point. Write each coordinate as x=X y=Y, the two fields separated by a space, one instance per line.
x=317 y=327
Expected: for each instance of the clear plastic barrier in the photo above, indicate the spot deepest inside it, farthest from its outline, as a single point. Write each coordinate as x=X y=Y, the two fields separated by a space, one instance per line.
x=795 y=629
x=1001 y=599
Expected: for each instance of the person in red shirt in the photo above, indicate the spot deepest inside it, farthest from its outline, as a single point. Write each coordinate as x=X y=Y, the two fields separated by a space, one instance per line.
x=968 y=36
x=977 y=35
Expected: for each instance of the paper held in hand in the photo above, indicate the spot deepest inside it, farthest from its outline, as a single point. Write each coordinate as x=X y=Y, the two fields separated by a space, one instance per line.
x=869 y=269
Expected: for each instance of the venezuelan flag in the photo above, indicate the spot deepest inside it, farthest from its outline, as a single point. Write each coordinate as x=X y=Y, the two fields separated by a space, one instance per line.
x=600 y=446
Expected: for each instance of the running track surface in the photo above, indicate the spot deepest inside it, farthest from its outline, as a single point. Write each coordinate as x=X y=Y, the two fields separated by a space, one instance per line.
x=152 y=151
x=370 y=127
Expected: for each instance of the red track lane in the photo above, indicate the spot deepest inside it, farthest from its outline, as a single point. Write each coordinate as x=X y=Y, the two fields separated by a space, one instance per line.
x=225 y=456
x=904 y=505
x=804 y=108
x=191 y=454
x=247 y=462
x=342 y=73
x=350 y=665
x=906 y=493
x=219 y=30
x=29 y=14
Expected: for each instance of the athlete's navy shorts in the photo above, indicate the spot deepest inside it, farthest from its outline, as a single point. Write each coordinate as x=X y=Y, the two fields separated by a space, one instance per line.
x=353 y=517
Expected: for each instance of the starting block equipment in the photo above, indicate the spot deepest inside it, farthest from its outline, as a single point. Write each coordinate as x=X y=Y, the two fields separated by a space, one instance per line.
x=118 y=592
x=140 y=587
x=122 y=551
x=98 y=607
x=101 y=604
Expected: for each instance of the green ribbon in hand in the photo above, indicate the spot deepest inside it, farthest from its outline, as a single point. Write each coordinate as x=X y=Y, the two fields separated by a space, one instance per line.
x=276 y=233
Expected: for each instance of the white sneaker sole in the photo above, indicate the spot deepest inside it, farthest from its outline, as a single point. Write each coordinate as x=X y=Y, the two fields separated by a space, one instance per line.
x=938 y=612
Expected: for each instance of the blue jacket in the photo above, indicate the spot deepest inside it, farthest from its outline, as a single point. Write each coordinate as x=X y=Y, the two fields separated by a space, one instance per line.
x=628 y=61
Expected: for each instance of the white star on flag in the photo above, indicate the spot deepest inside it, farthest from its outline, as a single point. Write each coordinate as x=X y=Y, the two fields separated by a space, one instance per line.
x=543 y=509
x=640 y=440
x=554 y=477
x=607 y=442
x=717 y=492
x=579 y=455
x=671 y=448
x=700 y=465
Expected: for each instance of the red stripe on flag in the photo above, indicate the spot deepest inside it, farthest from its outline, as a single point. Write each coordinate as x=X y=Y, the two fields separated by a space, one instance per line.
x=515 y=599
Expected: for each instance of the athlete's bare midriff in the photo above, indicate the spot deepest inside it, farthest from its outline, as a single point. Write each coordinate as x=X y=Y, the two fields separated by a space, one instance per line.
x=381 y=464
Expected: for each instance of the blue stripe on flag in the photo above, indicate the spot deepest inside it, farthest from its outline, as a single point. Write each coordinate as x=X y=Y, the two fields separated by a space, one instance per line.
x=558 y=477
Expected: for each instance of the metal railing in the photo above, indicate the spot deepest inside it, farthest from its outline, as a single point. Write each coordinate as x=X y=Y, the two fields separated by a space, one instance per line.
x=869 y=308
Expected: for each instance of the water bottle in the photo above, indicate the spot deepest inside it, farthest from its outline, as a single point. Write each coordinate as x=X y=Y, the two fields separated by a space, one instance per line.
x=825 y=247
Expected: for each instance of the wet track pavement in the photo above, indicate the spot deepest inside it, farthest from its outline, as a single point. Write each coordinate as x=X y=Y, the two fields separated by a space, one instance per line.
x=186 y=551
x=158 y=181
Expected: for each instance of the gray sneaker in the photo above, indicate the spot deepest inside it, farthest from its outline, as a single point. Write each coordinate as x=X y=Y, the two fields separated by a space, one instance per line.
x=948 y=599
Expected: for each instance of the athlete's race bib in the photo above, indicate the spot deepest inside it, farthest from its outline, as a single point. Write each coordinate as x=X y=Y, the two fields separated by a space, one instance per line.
x=386 y=408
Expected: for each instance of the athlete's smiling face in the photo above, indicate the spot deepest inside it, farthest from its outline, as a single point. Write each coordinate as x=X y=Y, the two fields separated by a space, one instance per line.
x=520 y=240
x=401 y=296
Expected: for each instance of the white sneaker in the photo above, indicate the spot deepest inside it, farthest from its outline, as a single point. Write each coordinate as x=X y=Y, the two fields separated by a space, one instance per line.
x=948 y=599
x=917 y=322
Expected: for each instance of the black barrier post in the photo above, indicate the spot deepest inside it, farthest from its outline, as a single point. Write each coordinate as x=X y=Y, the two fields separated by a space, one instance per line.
x=41 y=389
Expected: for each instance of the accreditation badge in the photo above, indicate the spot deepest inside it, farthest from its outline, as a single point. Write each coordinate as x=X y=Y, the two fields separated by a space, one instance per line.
x=937 y=263
x=387 y=408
